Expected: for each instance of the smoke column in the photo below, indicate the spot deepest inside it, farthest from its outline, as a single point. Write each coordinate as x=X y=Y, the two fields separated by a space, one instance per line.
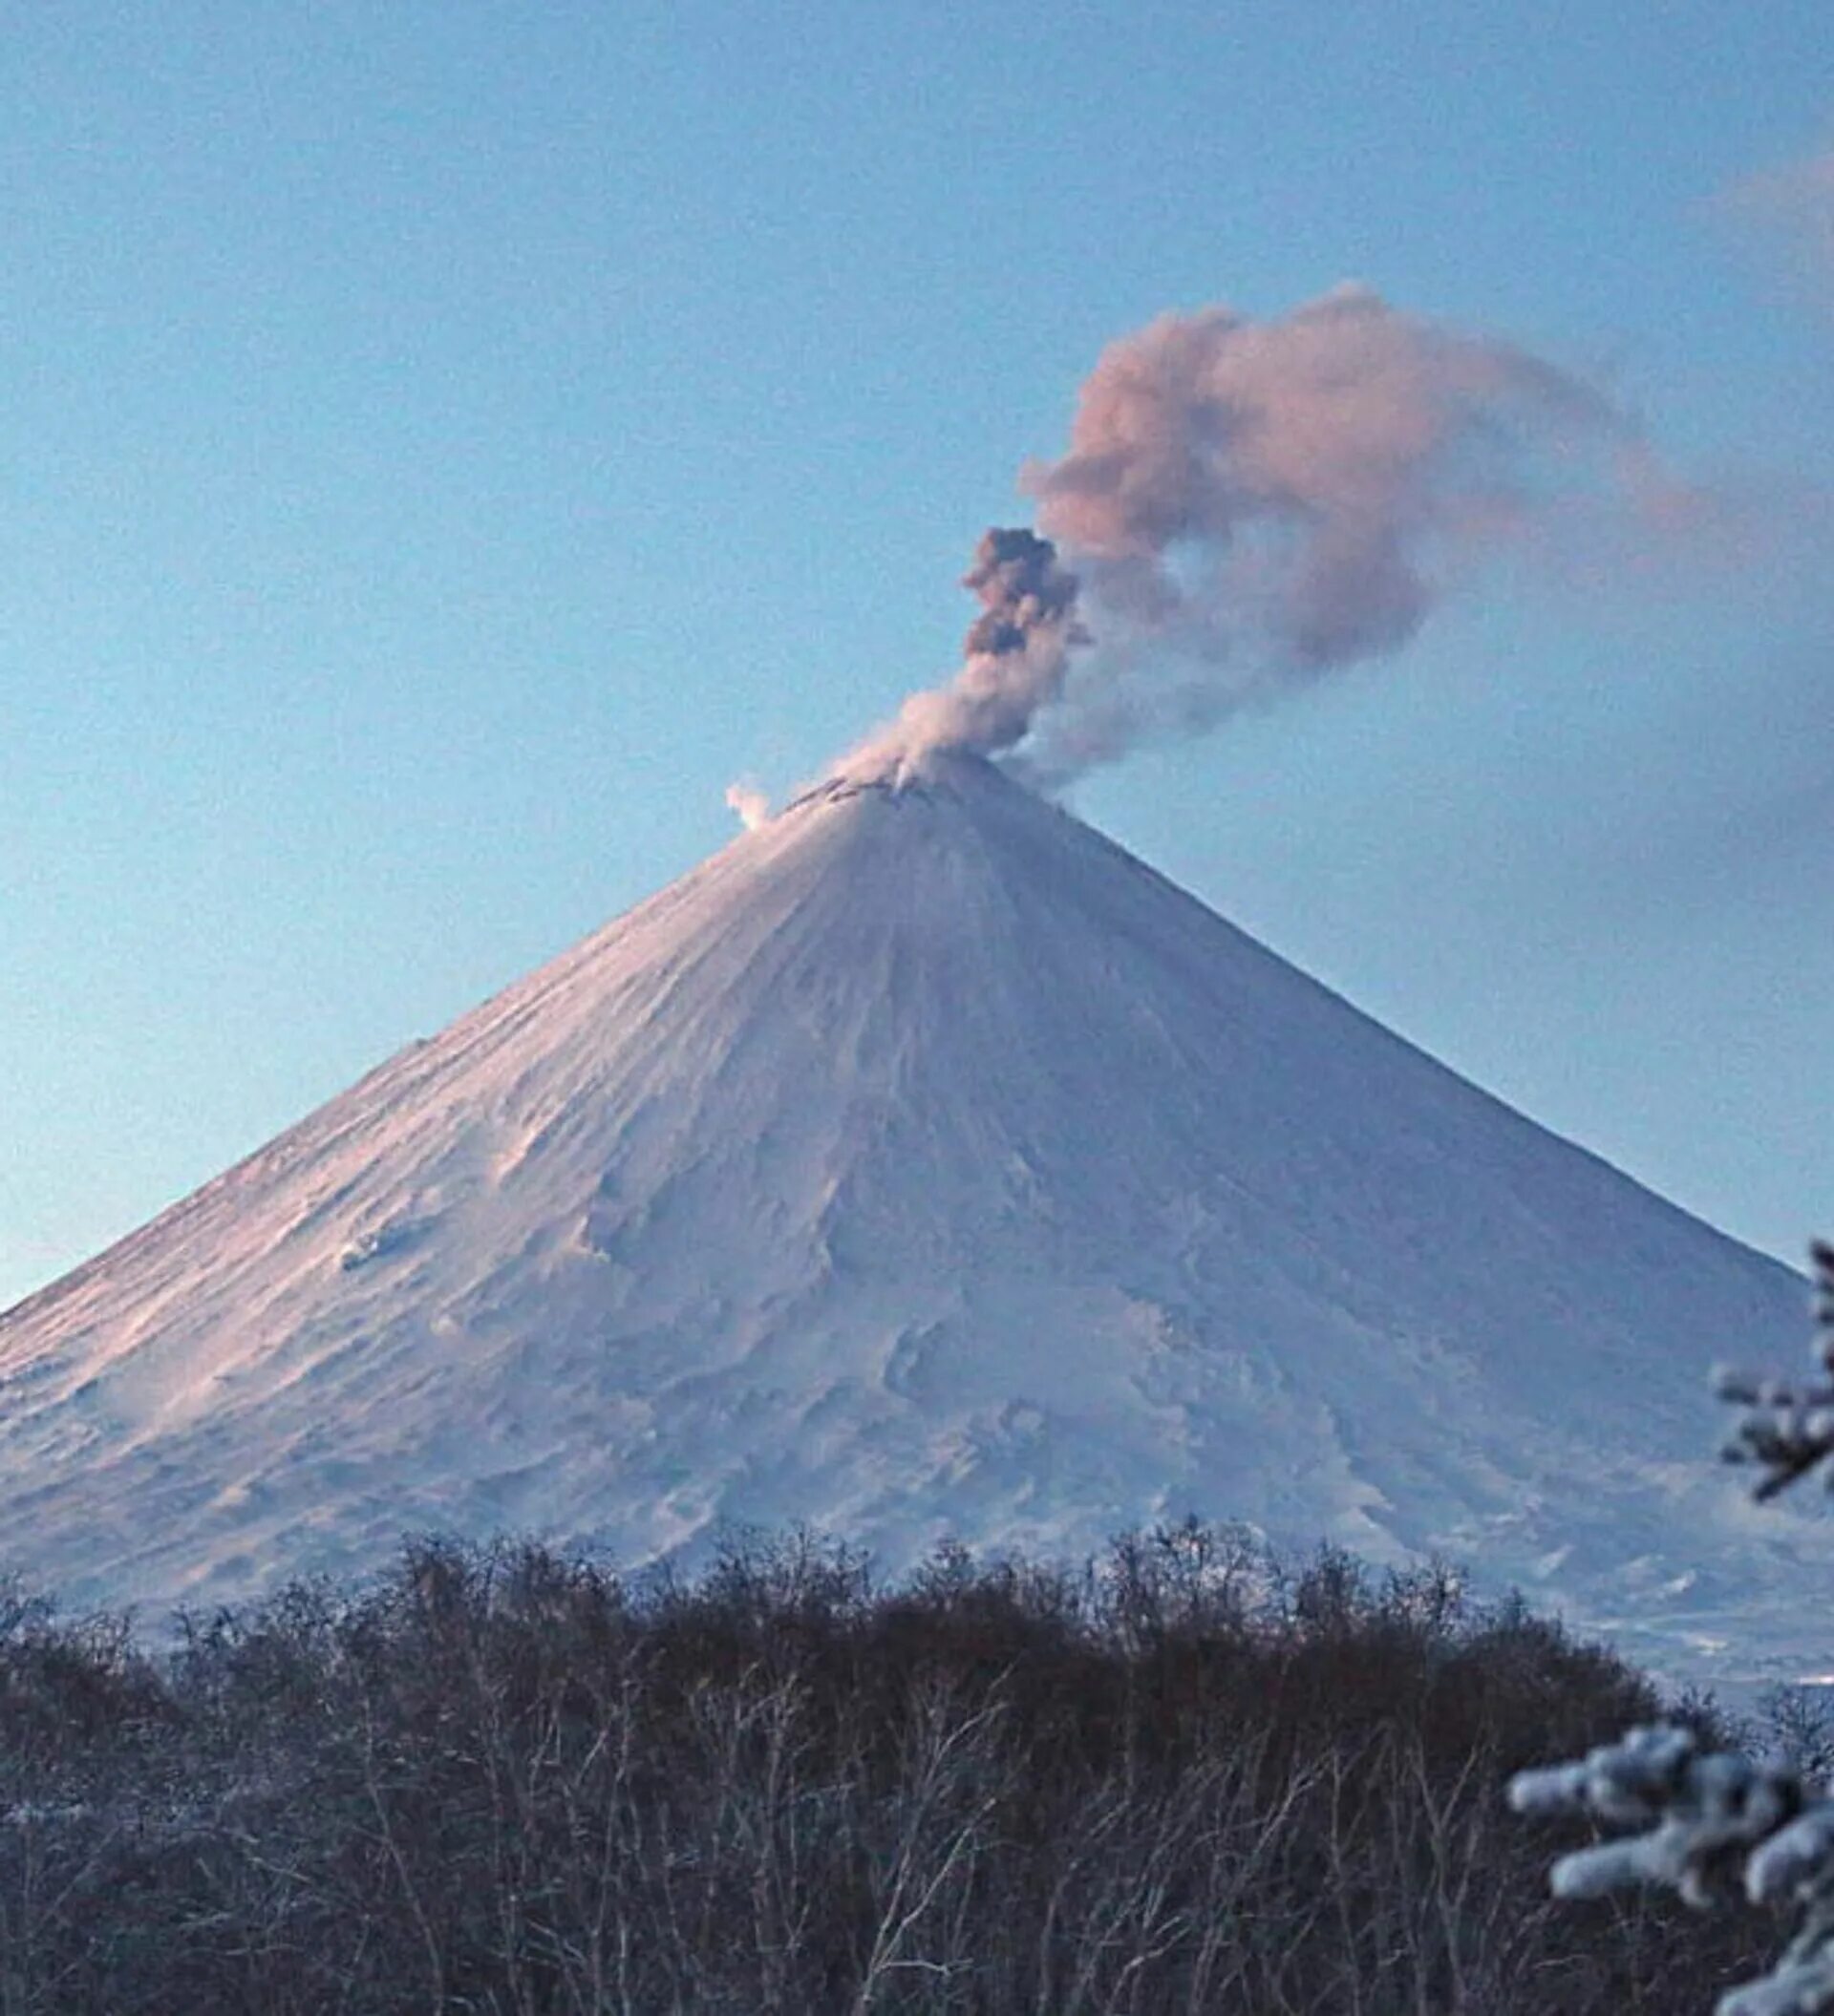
x=1014 y=654
x=1248 y=506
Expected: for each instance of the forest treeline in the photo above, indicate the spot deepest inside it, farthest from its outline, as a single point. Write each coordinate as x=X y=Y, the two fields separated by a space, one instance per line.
x=1181 y=1778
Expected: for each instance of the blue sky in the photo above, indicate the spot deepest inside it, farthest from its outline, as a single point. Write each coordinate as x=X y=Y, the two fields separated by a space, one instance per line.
x=446 y=443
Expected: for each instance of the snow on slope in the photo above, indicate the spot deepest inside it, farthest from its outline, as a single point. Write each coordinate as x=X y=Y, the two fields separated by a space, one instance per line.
x=922 y=1164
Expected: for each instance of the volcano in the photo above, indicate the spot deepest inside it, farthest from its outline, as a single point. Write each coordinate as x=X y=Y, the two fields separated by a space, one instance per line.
x=922 y=1165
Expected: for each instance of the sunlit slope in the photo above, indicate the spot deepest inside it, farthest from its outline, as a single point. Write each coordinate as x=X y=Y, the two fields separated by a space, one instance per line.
x=922 y=1164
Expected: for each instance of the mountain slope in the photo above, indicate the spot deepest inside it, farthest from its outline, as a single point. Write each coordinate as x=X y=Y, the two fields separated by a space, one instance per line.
x=921 y=1164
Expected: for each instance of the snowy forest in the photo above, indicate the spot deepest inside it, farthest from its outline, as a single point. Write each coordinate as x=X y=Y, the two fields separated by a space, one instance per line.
x=1190 y=1774
x=1183 y=1777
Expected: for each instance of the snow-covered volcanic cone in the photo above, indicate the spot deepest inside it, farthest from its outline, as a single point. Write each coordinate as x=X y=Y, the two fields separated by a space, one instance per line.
x=921 y=1164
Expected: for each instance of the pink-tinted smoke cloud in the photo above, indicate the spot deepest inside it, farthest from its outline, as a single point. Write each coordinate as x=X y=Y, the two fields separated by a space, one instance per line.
x=1247 y=506
x=1792 y=208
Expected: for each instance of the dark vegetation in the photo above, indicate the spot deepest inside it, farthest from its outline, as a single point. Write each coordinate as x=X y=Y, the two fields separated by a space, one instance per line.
x=506 y=1780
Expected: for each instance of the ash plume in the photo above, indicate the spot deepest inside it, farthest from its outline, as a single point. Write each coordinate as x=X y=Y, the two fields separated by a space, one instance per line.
x=1248 y=506
x=1014 y=658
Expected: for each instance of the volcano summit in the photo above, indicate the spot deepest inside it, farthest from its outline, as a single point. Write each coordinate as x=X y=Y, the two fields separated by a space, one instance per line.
x=922 y=1164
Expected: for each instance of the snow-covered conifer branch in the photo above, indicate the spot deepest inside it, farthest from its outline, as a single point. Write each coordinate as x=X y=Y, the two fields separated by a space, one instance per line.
x=1720 y=1823
x=1714 y=1825
x=1787 y=1430
x=1701 y=1812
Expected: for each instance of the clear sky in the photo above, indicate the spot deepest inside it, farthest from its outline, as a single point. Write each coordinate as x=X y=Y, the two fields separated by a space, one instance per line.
x=445 y=442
